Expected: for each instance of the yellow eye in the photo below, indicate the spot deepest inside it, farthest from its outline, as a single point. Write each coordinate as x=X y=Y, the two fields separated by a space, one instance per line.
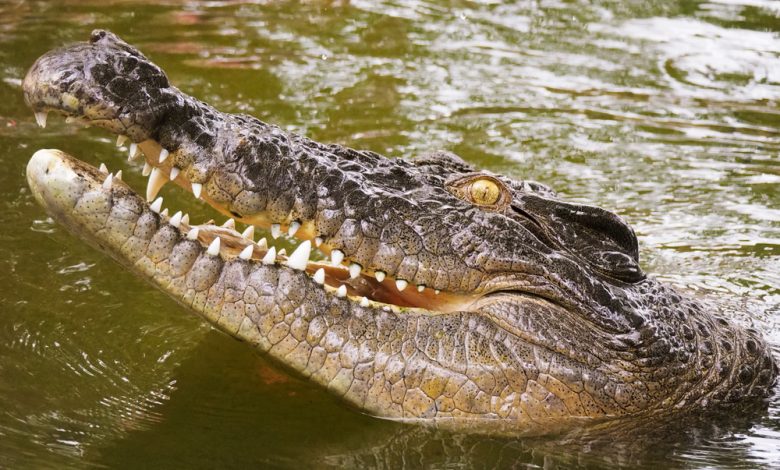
x=484 y=192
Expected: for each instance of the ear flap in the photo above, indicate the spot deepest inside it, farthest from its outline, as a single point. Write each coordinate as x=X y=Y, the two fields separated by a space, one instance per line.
x=599 y=237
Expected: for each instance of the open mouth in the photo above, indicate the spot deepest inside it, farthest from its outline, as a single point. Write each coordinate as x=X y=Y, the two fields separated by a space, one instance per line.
x=236 y=237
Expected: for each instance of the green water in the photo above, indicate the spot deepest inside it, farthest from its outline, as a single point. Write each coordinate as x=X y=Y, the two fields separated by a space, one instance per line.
x=666 y=112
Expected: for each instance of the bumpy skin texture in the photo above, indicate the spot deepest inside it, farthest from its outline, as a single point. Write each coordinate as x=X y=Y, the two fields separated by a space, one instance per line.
x=562 y=326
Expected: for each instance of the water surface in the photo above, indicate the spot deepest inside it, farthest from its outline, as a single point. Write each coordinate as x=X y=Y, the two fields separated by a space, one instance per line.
x=665 y=112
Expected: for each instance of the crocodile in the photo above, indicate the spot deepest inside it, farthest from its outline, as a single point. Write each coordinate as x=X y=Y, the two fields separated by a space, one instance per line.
x=421 y=290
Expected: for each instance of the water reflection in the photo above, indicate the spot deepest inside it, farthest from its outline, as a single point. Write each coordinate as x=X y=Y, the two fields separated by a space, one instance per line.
x=665 y=112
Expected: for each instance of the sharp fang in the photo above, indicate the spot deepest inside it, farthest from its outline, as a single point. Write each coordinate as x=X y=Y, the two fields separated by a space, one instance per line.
x=380 y=275
x=246 y=253
x=186 y=219
x=156 y=205
x=270 y=256
x=174 y=173
x=319 y=276
x=176 y=219
x=336 y=257
x=401 y=284
x=196 y=189
x=276 y=230
x=420 y=287
x=156 y=181
x=103 y=168
x=229 y=223
x=249 y=233
x=317 y=241
x=293 y=228
x=364 y=302
x=263 y=244
x=163 y=155
x=214 y=247
x=354 y=270
x=118 y=175
x=341 y=291
x=436 y=291
x=193 y=233
x=40 y=118
x=120 y=140
x=147 y=169
x=108 y=181
x=164 y=212
x=282 y=252
x=300 y=257
x=132 y=151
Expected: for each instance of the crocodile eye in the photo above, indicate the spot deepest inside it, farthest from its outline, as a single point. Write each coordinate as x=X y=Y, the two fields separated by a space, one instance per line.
x=484 y=192
x=481 y=190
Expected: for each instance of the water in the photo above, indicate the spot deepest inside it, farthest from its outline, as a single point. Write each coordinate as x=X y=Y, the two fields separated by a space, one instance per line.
x=666 y=112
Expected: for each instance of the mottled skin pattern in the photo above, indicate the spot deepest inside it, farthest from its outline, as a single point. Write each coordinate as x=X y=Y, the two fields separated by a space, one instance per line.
x=544 y=320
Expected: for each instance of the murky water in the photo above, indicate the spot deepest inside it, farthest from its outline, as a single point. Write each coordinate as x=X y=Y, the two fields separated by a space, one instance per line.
x=666 y=112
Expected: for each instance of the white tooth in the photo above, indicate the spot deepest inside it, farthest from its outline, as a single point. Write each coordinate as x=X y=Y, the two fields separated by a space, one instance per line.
x=263 y=243
x=147 y=169
x=319 y=276
x=420 y=287
x=282 y=252
x=436 y=291
x=270 y=256
x=364 y=302
x=40 y=118
x=300 y=257
x=156 y=181
x=164 y=212
x=214 y=247
x=196 y=189
x=276 y=230
x=163 y=155
x=354 y=270
x=118 y=175
x=120 y=140
x=103 y=168
x=132 y=151
x=341 y=291
x=380 y=275
x=176 y=219
x=193 y=233
x=293 y=228
x=317 y=241
x=186 y=219
x=229 y=223
x=249 y=233
x=156 y=205
x=246 y=253
x=336 y=257
x=401 y=284
x=107 y=182
x=174 y=173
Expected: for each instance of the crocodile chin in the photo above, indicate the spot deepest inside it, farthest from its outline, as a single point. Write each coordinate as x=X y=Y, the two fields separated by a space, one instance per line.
x=452 y=295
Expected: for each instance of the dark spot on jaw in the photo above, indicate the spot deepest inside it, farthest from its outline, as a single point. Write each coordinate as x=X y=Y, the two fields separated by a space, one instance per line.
x=96 y=36
x=745 y=374
x=751 y=346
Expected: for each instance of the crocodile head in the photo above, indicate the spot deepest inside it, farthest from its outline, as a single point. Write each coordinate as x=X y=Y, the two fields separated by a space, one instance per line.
x=453 y=295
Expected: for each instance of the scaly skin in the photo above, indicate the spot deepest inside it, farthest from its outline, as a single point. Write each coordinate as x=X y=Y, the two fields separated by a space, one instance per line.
x=532 y=314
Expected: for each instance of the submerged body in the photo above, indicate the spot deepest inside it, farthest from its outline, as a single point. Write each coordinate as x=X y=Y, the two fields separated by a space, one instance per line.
x=454 y=296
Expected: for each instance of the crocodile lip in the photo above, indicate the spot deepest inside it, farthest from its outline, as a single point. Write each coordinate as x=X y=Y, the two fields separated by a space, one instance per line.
x=228 y=240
